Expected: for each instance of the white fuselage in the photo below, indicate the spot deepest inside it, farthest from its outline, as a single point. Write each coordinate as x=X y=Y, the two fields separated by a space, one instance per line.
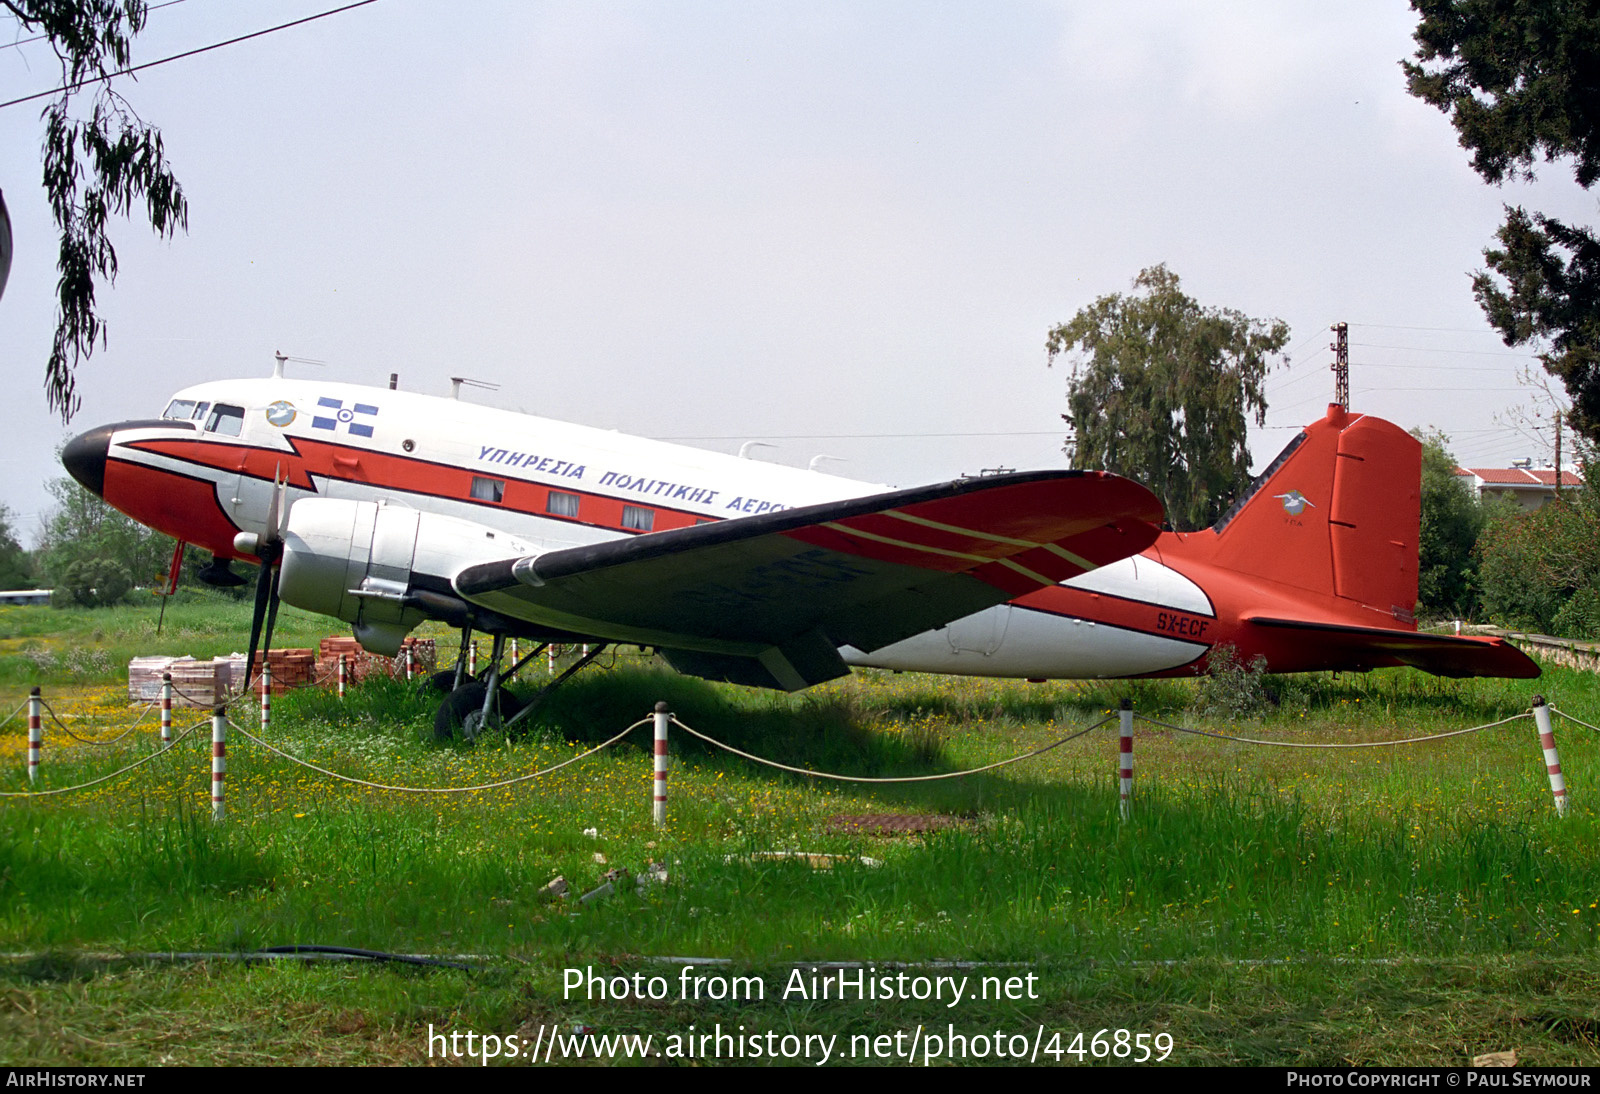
x=400 y=448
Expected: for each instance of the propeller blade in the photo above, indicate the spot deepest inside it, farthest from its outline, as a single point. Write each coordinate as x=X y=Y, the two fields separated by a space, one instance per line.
x=272 y=613
x=269 y=549
x=273 y=533
x=264 y=589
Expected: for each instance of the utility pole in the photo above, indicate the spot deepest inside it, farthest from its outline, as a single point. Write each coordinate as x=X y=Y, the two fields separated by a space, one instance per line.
x=1558 y=453
x=1341 y=364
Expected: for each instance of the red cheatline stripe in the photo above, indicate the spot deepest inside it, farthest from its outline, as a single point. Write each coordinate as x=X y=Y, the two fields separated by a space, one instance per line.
x=322 y=459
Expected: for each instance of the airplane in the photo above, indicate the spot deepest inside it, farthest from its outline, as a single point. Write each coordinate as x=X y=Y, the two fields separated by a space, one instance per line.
x=387 y=508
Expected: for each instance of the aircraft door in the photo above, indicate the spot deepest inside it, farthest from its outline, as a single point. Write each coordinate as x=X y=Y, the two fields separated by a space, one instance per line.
x=981 y=633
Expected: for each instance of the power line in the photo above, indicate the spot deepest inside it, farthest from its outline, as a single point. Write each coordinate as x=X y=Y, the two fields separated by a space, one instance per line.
x=187 y=53
x=1433 y=349
x=1291 y=383
x=41 y=37
x=1300 y=345
x=1379 y=390
x=1449 y=330
x=1434 y=368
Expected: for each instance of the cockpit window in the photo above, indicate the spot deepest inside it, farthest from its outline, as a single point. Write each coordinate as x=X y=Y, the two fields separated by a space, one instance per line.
x=185 y=410
x=225 y=419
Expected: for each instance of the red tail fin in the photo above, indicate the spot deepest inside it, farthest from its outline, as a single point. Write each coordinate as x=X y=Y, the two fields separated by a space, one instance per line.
x=1337 y=512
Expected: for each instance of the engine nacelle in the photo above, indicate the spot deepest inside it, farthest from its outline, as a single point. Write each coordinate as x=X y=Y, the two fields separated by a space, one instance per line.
x=362 y=562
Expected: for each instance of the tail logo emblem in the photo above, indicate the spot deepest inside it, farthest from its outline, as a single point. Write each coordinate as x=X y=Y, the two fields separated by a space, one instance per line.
x=1294 y=502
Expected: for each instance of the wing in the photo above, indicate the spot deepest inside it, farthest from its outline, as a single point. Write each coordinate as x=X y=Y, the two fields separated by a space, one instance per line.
x=1440 y=654
x=768 y=600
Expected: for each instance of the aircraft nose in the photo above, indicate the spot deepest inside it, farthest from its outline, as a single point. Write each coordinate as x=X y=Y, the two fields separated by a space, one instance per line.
x=85 y=458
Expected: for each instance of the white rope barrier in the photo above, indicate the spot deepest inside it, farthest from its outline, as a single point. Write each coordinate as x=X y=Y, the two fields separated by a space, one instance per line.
x=22 y=706
x=1570 y=718
x=436 y=789
x=662 y=717
x=899 y=779
x=1312 y=744
x=103 y=778
x=54 y=717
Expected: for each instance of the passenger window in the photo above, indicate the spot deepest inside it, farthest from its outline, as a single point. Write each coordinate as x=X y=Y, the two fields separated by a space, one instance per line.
x=637 y=518
x=488 y=489
x=562 y=505
x=226 y=420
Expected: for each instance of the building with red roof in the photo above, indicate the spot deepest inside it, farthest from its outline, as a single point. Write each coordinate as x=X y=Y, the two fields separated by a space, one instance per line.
x=1529 y=487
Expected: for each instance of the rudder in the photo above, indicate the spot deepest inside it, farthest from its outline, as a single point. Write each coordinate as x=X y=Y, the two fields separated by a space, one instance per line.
x=1338 y=513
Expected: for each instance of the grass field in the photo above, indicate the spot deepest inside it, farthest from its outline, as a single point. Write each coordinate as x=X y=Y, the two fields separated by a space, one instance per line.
x=1417 y=904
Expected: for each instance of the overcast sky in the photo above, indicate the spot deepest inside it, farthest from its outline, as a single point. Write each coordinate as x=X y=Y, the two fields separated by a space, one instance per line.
x=843 y=228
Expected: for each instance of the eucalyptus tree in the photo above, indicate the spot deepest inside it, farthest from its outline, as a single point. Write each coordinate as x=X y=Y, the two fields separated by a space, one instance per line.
x=1161 y=391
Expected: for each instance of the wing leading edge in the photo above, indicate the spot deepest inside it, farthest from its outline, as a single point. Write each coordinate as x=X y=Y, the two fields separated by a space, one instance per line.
x=768 y=600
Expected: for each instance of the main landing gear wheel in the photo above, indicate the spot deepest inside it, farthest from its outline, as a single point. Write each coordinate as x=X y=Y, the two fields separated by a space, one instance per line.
x=440 y=682
x=461 y=714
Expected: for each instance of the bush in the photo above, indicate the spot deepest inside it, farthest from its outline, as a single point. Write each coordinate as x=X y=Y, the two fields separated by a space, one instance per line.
x=1532 y=564
x=1579 y=617
x=1452 y=520
x=1230 y=689
x=93 y=583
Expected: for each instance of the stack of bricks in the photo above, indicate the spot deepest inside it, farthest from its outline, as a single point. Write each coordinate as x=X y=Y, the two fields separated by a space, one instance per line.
x=291 y=668
x=198 y=683
x=357 y=661
x=144 y=677
x=206 y=683
x=359 y=664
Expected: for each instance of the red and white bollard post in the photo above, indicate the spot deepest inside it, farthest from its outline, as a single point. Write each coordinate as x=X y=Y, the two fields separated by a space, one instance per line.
x=342 y=671
x=472 y=658
x=514 y=655
x=550 y=659
x=266 y=696
x=410 y=662
x=219 y=759
x=166 y=709
x=1125 y=757
x=1552 y=760
x=659 y=812
x=35 y=732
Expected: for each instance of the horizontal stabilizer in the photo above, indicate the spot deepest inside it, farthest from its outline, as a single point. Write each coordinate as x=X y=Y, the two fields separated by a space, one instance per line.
x=864 y=572
x=1440 y=654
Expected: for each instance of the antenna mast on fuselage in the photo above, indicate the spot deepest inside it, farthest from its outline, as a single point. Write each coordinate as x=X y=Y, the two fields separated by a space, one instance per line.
x=279 y=357
x=456 y=383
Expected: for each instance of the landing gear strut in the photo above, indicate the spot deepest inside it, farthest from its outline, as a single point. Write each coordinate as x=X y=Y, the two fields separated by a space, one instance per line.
x=475 y=705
